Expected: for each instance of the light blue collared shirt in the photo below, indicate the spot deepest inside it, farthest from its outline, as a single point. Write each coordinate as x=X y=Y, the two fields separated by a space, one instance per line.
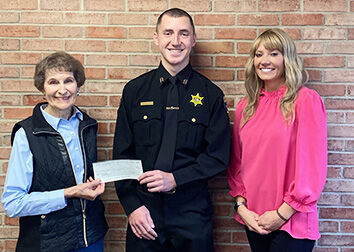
x=15 y=198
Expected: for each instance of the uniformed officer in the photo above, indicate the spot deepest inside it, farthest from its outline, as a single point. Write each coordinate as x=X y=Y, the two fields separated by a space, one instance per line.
x=175 y=121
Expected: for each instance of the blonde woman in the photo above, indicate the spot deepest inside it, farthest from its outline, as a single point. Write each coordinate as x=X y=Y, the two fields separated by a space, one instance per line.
x=279 y=155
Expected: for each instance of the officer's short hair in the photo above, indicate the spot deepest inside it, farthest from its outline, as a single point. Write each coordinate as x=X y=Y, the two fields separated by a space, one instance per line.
x=175 y=12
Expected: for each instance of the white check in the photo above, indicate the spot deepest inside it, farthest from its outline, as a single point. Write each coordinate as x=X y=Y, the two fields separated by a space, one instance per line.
x=113 y=170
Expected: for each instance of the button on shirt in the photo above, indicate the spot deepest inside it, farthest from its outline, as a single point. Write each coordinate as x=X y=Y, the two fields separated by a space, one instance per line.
x=16 y=199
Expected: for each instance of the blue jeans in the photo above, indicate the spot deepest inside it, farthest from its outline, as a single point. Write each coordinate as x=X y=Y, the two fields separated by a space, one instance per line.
x=96 y=247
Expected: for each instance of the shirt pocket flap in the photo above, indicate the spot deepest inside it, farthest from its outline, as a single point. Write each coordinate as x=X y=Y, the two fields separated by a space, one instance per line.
x=145 y=115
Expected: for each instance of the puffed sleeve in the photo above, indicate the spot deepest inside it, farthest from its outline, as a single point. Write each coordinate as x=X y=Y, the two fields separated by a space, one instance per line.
x=310 y=167
x=234 y=169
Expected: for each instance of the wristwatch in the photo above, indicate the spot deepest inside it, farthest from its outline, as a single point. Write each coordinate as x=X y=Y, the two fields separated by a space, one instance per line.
x=239 y=203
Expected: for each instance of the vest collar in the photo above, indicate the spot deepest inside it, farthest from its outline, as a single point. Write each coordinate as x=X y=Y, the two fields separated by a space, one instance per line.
x=41 y=125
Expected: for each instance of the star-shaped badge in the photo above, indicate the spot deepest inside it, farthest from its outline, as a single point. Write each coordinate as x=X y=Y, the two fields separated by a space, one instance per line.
x=196 y=99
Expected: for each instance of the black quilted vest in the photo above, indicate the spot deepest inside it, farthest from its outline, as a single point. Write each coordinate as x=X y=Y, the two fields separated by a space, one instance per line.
x=65 y=229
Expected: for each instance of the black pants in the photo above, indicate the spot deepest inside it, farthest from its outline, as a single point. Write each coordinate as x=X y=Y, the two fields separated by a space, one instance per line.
x=180 y=241
x=183 y=222
x=278 y=241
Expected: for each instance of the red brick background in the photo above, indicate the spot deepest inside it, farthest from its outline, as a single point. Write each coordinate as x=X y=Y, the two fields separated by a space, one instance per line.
x=113 y=38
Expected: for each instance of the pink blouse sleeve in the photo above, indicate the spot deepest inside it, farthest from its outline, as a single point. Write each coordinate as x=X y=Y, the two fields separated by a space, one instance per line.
x=233 y=171
x=310 y=167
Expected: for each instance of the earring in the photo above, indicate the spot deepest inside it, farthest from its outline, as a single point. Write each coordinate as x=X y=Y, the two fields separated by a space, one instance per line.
x=77 y=94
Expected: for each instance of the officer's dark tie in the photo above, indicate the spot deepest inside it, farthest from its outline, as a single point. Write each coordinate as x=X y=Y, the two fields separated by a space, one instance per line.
x=164 y=160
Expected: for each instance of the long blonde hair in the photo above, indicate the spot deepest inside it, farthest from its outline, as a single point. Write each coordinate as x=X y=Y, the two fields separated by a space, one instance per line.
x=274 y=39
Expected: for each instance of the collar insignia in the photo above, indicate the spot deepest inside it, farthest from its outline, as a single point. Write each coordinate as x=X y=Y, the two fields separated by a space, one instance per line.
x=196 y=99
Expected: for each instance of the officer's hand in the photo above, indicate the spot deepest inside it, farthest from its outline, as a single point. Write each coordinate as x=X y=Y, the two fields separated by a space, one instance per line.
x=142 y=224
x=158 y=181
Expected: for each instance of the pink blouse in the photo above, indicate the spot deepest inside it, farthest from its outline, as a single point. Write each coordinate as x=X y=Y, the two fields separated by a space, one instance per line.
x=274 y=161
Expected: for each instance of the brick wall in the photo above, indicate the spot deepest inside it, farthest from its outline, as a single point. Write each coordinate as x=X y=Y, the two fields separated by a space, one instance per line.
x=113 y=38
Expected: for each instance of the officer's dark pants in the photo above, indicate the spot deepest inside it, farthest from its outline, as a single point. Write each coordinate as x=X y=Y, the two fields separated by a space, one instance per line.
x=183 y=221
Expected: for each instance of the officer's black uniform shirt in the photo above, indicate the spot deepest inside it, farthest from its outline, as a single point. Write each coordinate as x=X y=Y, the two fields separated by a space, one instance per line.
x=203 y=134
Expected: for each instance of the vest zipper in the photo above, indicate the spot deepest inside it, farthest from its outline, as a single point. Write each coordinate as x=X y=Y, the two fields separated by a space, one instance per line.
x=82 y=202
x=85 y=172
x=84 y=226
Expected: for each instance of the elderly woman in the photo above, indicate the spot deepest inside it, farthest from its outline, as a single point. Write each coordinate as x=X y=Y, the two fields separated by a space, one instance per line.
x=279 y=157
x=49 y=181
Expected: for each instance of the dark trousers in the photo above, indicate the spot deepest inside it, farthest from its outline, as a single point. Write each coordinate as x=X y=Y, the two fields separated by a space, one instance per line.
x=183 y=222
x=180 y=241
x=278 y=241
